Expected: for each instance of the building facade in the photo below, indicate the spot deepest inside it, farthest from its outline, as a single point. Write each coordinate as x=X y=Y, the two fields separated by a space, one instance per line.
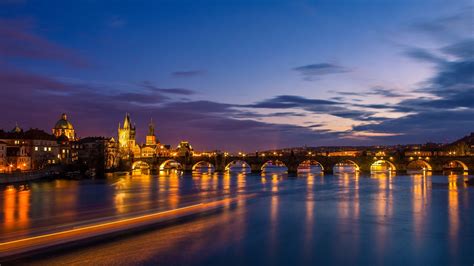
x=98 y=153
x=126 y=138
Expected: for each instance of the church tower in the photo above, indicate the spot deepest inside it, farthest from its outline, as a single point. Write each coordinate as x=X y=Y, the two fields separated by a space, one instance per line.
x=150 y=137
x=126 y=134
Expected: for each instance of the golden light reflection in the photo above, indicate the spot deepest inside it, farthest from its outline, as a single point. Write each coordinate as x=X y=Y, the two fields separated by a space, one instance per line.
x=173 y=188
x=120 y=195
x=344 y=204
x=356 y=203
x=384 y=196
x=274 y=204
x=16 y=207
x=9 y=207
x=309 y=208
x=226 y=182
x=419 y=200
x=453 y=205
x=241 y=181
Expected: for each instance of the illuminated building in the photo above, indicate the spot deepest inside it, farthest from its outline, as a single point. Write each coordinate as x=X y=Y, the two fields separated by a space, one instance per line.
x=152 y=146
x=345 y=153
x=126 y=137
x=64 y=128
x=3 y=156
x=184 y=149
x=29 y=150
x=99 y=153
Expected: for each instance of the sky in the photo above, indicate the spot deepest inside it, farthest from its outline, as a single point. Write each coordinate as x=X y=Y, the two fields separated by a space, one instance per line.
x=242 y=75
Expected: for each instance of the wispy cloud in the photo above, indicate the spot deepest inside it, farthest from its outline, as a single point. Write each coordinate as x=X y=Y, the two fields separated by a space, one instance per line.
x=315 y=71
x=178 y=91
x=188 y=73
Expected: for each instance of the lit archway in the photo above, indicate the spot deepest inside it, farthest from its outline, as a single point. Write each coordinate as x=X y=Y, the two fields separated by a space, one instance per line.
x=346 y=166
x=310 y=166
x=140 y=165
x=456 y=165
x=419 y=165
x=203 y=166
x=238 y=166
x=382 y=166
x=274 y=167
x=171 y=165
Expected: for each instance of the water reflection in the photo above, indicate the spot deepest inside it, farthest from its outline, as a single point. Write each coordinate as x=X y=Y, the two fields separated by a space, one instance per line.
x=365 y=218
x=309 y=221
x=16 y=207
x=420 y=187
x=453 y=205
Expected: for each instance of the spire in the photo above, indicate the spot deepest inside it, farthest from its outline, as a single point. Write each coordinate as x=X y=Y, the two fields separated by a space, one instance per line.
x=151 y=128
x=64 y=116
x=17 y=129
x=126 y=122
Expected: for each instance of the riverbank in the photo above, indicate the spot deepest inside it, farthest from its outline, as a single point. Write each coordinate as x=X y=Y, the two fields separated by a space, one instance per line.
x=18 y=177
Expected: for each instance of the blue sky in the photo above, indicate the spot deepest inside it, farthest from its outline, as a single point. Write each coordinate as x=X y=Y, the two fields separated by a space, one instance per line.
x=242 y=75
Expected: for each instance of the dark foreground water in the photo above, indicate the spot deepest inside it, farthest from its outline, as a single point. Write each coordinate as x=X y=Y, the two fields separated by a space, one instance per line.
x=310 y=219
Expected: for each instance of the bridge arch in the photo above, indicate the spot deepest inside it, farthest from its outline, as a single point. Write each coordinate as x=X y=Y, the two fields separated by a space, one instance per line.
x=310 y=166
x=419 y=165
x=382 y=166
x=274 y=166
x=346 y=166
x=171 y=165
x=203 y=166
x=456 y=164
x=238 y=166
x=140 y=165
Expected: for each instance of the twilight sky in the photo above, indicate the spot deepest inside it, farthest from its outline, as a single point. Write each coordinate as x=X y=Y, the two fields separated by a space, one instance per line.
x=242 y=75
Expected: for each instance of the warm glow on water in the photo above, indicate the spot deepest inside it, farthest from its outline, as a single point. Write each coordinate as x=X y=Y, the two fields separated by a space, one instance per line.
x=301 y=219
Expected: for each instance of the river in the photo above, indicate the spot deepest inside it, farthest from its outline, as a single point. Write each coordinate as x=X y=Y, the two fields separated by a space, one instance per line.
x=344 y=219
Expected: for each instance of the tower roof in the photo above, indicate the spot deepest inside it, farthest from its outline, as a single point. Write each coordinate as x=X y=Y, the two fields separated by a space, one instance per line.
x=151 y=128
x=63 y=123
x=127 y=122
x=17 y=129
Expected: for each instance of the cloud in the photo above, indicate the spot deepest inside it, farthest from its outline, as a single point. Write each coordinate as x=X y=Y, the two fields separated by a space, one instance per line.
x=451 y=27
x=461 y=49
x=96 y=109
x=188 y=73
x=376 y=91
x=423 y=55
x=450 y=107
x=315 y=71
x=315 y=106
x=19 y=42
x=177 y=91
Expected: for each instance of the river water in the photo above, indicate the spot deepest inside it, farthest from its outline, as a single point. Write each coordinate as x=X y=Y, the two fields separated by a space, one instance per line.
x=343 y=219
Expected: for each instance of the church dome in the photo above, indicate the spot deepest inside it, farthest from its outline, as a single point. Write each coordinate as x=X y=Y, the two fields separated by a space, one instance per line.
x=63 y=123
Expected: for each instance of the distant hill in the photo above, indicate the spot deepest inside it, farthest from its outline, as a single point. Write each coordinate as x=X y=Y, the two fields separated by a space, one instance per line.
x=468 y=140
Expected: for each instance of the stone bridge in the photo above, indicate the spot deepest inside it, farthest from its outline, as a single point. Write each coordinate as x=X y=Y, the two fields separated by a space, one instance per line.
x=221 y=162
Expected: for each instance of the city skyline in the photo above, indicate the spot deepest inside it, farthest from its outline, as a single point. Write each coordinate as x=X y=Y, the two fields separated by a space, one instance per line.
x=238 y=76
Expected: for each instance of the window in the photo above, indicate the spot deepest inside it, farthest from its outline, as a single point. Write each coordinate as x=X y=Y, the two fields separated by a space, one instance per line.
x=36 y=148
x=49 y=148
x=45 y=149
